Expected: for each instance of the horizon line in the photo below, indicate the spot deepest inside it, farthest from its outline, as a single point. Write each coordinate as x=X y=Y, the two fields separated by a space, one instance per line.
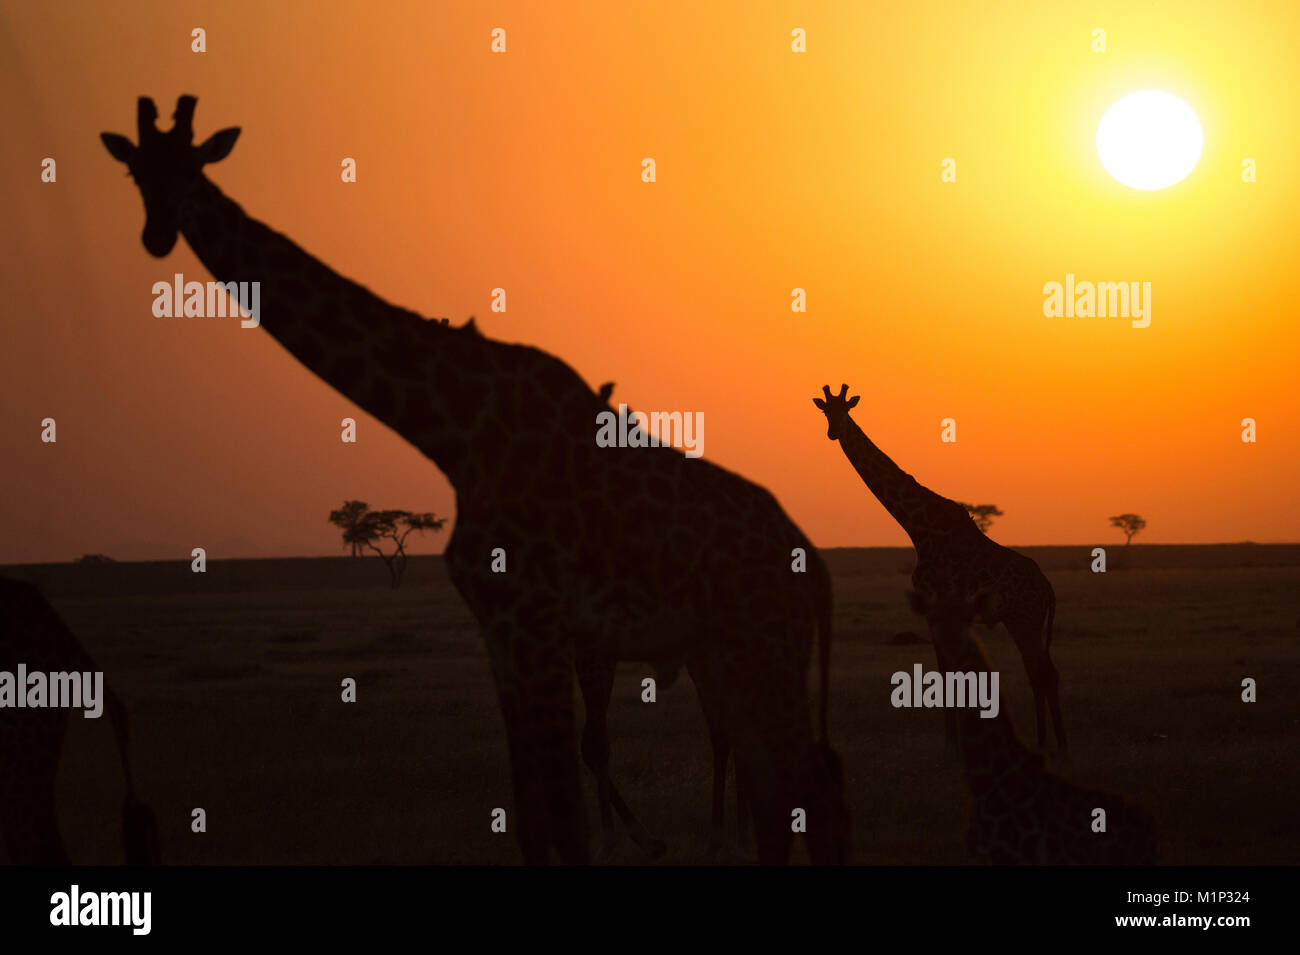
x=187 y=558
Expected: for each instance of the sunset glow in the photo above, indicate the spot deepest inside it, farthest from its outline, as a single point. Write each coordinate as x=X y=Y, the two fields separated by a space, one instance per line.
x=821 y=171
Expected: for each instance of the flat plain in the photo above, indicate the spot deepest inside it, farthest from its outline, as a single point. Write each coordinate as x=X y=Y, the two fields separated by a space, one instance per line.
x=233 y=682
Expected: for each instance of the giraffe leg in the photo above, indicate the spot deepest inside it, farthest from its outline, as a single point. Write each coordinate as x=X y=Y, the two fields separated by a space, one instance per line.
x=1052 y=681
x=654 y=848
x=596 y=680
x=721 y=755
x=31 y=743
x=533 y=668
x=773 y=811
x=744 y=816
x=760 y=749
x=951 y=742
x=720 y=743
x=1031 y=652
x=1043 y=678
x=769 y=721
x=28 y=817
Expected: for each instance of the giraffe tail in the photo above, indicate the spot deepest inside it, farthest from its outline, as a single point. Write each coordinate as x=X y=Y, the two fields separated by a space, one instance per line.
x=139 y=827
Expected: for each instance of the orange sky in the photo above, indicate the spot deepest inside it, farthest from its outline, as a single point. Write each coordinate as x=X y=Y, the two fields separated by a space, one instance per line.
x=775 y=170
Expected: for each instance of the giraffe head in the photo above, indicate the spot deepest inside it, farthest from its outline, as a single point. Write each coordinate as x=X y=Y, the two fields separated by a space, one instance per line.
x=166 y=166
x=836 y=409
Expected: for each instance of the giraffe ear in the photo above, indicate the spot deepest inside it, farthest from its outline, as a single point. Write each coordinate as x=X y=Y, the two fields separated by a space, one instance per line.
x=853 y=401
x=819 y=403
x=217 y=146
x=119 y=147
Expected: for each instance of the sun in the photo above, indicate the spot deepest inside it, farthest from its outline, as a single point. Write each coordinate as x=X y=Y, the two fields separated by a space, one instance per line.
x=1149 y=140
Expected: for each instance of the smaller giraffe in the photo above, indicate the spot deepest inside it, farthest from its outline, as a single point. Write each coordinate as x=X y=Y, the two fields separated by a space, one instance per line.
x=31 y=740
x=1024 y=814
x=952 y=554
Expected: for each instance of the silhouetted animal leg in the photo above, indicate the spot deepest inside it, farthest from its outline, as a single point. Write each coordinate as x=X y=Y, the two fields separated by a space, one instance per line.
x=31 y=828
x=1031 y=651
x=773 y=836
x=1043 y=678
x=1052 y=682
x=768 y=723
x=710 y=703
x=596 y=680
x=951 y=728
x=744 y=817
x=651 y=846
x=721 y=753
x=537 y=702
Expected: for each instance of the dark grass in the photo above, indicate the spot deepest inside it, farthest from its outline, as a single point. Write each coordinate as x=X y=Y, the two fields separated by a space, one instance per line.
x=233 y=681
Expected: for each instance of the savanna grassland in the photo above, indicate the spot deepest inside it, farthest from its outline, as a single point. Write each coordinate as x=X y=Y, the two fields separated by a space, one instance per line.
x=233 y=681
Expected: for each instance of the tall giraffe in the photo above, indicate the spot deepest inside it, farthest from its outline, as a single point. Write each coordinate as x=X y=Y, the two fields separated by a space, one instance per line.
x=613 y=553
x=31 y=739
x=1023 y=814
x=952 y=554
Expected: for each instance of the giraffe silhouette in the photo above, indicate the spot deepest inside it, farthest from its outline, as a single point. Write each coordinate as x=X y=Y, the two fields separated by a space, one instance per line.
x=31 y=739
x=610 y=553
x=1023 y=814
x=952 y=554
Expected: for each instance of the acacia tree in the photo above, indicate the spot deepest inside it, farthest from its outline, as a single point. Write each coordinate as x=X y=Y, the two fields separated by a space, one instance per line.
x=349 y=517
x=982 y=515
x=1130 y=524
x=363 y=527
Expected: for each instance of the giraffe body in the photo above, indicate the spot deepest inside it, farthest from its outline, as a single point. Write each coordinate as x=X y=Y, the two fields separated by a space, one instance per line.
x=630 y=595
x=1023 y=813
x=954 y=555
x=611 y=553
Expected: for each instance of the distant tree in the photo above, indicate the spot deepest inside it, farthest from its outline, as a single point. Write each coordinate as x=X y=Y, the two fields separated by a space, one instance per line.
x=363 y=527
x=1130 y=524
x=95 y=559
x=349 y=517
x=982 y=515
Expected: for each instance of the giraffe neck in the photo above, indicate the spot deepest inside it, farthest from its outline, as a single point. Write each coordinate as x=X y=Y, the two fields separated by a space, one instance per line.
x=990 y=748
x=415 y=375
x=914 y=507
